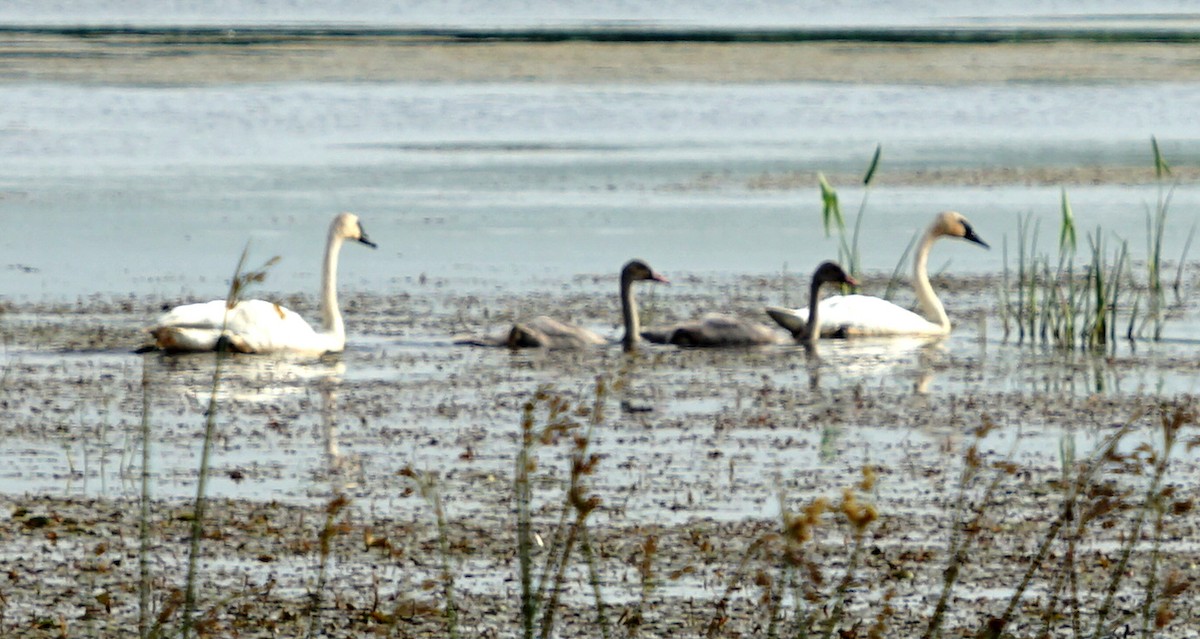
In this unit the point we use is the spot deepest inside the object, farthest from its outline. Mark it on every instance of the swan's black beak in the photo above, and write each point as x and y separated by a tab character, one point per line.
362	237
970	236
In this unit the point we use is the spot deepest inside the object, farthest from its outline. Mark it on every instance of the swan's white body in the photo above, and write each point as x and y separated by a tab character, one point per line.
547	332
257	326
858	315
864	315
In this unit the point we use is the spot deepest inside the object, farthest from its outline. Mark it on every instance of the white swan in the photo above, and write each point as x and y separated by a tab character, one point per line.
257	326
720	330
547	332
853	315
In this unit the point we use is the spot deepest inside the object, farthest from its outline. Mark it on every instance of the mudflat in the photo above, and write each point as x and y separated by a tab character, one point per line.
705	492
157	59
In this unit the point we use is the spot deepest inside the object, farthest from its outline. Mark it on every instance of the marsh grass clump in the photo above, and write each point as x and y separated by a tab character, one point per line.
1059	303
1066	305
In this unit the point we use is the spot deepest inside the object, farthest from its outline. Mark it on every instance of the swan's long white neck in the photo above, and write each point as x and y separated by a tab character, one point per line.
331	315
629	314
931	306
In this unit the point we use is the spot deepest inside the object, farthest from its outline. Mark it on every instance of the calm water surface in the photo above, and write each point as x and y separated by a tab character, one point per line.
508	186
156	190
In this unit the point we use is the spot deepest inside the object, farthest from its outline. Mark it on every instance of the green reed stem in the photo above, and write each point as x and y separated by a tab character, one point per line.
894	280
325	539
1187	245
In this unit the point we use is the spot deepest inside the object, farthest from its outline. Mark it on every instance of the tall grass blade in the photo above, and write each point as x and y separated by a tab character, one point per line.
831	211
1161	168
585	545
1005	297
523	493
1066	236
874	165
894	280
325	539
427	484
1187	246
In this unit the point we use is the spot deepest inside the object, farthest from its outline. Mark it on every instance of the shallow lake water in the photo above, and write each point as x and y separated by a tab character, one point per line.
118	190
497	200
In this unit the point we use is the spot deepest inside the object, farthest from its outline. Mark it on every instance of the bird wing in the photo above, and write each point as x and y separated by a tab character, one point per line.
255	326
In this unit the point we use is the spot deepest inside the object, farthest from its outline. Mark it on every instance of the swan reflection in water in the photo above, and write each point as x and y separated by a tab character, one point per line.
344	471
875	359
271	385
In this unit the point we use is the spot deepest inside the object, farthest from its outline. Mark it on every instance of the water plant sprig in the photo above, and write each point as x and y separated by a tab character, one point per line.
832	218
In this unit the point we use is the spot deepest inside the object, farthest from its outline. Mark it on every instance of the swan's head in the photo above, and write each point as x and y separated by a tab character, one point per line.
347	226
954	224
832	273
638	270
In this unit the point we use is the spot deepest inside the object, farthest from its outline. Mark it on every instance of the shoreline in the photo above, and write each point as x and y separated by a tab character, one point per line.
163	59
